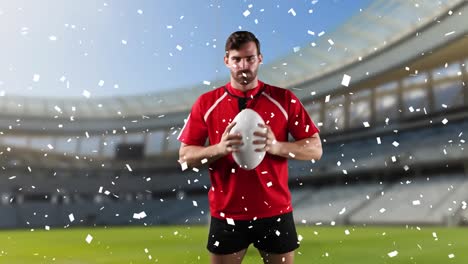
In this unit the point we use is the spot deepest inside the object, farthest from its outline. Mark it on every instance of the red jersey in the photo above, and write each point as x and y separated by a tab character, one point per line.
237	193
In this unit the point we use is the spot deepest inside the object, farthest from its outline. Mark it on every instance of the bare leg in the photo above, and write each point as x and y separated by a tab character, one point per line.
269	258
234	258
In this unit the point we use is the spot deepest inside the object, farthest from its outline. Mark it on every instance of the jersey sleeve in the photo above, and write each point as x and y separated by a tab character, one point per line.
195	130
300	125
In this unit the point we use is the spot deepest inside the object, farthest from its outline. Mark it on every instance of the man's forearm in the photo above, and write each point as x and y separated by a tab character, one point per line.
305	149
196	156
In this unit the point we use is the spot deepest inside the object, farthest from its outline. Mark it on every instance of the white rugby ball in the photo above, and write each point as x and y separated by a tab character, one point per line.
246	124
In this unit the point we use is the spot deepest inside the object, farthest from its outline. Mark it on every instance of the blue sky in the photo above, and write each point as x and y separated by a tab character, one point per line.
61	48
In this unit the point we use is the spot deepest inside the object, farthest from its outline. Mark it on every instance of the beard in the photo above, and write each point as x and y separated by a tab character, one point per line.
244	77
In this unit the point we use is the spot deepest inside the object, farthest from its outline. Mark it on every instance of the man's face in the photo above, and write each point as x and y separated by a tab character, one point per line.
244	63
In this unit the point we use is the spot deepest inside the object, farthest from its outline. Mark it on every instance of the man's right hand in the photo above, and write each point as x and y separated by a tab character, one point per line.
229	142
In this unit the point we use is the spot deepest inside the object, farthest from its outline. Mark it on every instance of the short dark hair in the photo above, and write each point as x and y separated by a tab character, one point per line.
239	38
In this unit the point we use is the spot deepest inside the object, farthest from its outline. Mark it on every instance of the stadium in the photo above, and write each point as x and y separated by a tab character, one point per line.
391	187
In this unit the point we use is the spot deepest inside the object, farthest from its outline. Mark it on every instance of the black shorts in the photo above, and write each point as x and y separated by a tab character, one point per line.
276	235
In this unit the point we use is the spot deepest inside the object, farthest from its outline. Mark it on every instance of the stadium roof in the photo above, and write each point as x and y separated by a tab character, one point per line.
380	25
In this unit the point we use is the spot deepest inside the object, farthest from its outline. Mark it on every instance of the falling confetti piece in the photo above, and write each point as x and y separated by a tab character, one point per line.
86	94
184	166
128	167
346	79
292	12
393	254
89	238
36	77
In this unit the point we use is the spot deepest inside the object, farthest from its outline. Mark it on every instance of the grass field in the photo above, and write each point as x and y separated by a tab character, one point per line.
186	244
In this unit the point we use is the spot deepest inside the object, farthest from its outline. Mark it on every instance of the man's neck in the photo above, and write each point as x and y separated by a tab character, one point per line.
243	87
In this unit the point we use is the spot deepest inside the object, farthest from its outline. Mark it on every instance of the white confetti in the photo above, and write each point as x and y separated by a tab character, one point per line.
445	121
128	167
416	202
89	238
278	233
71	217
346	232
292	12
206	82
449	33
396	144
332	43
203	161
36	77
292	155
101	83
140	215
140	12
50	146
393	254
451	255
246	13
195	203
378	141
382	210
230	221
366	124
184	165
342	211
346	79
86	93
216	243
179	48
124	42
269	184
327	98
52	38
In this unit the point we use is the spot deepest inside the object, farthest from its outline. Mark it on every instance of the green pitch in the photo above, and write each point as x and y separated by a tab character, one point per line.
186	244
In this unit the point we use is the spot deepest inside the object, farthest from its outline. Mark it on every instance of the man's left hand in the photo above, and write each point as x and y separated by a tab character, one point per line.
268	139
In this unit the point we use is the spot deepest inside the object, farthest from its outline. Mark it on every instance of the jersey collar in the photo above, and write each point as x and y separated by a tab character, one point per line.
250	93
